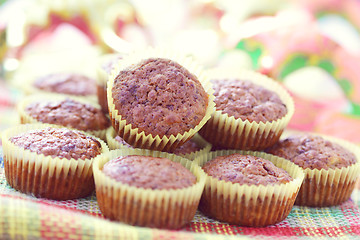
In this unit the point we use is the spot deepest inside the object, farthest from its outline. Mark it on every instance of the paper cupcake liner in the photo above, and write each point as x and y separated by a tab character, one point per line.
46	176
226	132
323	188
101	81
205	146
170	209
140	139
250	205
26	118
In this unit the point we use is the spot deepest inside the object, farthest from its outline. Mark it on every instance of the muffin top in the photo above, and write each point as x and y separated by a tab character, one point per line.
149	172
122	142
69	113
58	142
313	152
247	101
188	147
246	169
66	83
160	97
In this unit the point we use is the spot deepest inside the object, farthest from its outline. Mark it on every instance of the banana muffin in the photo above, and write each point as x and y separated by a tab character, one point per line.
330	165
149	172
159	97
252	111
247	101
50	162
66	83
68	113
248	188
246	169
148	188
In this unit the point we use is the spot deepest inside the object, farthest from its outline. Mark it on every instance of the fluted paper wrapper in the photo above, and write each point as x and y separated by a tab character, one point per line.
46	176
205	147
170	209
329	187
250	205
102	78
26	118
140	139
224	131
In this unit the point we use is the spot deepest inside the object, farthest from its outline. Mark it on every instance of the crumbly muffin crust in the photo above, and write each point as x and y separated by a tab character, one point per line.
188	147
69	113
160	97
313	152
67	83
247	101
246	169
149	172
59	142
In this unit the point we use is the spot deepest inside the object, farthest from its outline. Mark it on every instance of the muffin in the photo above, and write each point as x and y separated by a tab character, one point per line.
50	162
248	188
148	188
158	101
107	63
331	167
251	113
65	83
191	149
71	112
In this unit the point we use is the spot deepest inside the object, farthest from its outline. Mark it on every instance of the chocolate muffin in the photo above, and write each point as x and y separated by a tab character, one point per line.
252	111
159	97
323	159
246	169
148	188
64	111
50	162
66	83
149	172
248	188
247	101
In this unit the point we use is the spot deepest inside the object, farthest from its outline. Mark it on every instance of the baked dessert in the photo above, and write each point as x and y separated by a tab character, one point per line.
149	172
66	83
148	188
65	111
190	150
157	102
50	162
248	188
107	63
331	167
251	111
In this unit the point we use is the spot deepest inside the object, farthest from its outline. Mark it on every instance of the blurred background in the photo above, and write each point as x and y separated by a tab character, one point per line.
311	47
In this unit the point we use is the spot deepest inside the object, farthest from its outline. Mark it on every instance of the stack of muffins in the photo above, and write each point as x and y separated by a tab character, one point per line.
166	113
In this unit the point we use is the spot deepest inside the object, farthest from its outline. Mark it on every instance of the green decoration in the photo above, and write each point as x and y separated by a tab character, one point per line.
346	86
327	65
295	63
254	50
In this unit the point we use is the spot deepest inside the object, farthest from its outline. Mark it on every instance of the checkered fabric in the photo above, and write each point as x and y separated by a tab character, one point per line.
26	217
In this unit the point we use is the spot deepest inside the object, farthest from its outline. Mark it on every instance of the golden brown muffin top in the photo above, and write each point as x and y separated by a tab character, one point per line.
69	113
313	152
66	83
58	142
247	101
160	97
149	172
246	169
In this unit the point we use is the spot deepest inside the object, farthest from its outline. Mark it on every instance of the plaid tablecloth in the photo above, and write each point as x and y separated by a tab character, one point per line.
26	217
